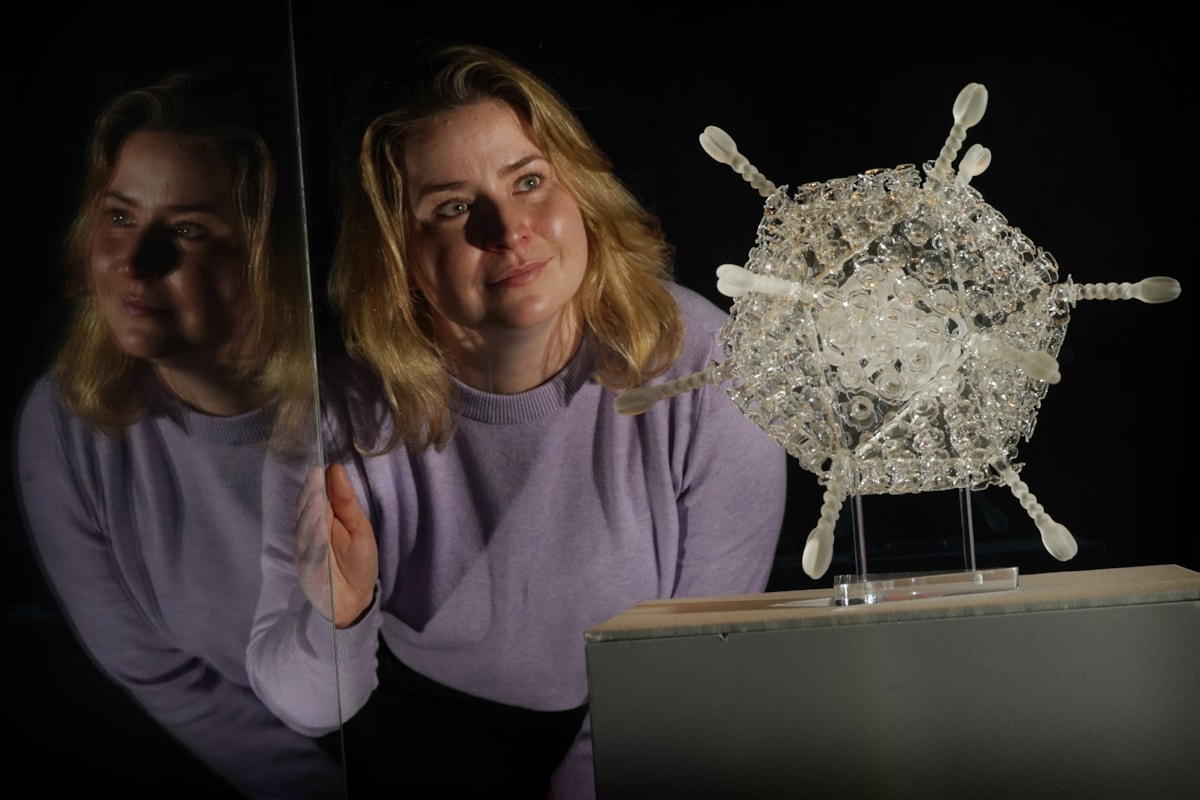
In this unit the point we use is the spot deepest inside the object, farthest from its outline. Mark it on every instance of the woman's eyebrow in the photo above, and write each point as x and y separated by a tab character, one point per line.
521	163
177	208
434	188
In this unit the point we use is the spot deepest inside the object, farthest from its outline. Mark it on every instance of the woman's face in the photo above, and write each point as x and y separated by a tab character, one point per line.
500	243
166	258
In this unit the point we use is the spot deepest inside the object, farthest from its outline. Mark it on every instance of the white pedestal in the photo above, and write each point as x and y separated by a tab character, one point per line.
1076	684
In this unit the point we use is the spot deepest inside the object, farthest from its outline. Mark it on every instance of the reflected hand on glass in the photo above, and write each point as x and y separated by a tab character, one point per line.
336	557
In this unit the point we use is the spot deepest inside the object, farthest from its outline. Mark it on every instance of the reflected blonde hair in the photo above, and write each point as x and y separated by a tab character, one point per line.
97	379
624	301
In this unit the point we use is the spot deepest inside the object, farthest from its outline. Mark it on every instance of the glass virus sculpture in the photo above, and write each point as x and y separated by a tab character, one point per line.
893	332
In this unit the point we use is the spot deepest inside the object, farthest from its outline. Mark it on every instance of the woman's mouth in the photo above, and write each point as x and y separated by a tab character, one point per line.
519	275
140	306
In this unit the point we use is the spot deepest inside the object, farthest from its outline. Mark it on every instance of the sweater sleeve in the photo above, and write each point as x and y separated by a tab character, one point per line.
311	675
220	721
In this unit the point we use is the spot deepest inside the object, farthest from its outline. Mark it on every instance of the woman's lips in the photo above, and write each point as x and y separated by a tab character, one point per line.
518	276
140	306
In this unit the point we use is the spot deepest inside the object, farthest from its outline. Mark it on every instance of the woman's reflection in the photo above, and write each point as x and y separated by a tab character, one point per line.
140	453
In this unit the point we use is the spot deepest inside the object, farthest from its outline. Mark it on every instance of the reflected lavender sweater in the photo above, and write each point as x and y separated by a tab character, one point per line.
151	542
546	514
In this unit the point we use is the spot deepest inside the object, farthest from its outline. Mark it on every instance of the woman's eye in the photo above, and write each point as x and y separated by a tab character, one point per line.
187	230
119	218
529	183
451	209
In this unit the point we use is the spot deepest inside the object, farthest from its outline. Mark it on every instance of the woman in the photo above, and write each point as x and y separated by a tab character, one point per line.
497	288
140	453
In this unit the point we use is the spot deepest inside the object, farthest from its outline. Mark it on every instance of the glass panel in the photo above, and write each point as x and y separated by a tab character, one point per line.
147	462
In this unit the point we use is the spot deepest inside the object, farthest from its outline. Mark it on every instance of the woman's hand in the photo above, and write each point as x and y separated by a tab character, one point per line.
330	520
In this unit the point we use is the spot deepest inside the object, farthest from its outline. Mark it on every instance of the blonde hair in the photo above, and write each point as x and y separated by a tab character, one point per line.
624	301
97	379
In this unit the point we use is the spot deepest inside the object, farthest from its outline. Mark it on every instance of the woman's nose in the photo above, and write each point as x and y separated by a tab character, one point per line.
500	224
153	254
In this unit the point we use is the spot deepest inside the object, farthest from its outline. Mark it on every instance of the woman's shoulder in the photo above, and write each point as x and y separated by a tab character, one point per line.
46	428
703	321
696	308
44	386
42	404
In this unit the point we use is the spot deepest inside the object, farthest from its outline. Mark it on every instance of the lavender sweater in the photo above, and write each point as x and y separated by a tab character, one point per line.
546	514
151	542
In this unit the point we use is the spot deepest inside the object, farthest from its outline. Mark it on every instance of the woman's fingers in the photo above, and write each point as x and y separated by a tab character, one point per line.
344	502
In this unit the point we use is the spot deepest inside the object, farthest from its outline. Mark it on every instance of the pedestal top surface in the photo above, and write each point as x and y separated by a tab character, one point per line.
1054	591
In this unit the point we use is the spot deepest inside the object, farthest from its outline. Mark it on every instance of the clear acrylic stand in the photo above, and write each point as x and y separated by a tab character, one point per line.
864	587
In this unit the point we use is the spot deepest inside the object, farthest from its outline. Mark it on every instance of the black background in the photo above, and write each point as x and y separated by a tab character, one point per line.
1091	141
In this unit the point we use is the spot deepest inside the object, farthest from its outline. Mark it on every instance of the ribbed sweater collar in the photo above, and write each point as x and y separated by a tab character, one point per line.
249	428
537	403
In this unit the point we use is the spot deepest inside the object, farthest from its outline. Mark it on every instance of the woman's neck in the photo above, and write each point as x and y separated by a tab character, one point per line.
219	391
513	361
